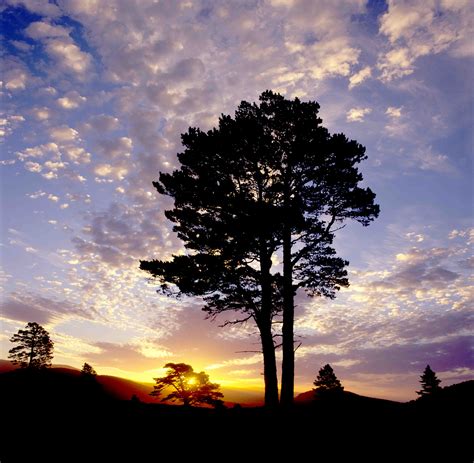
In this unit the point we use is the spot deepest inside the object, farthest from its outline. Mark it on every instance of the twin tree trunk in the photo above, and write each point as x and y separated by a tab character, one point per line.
288	363
264	323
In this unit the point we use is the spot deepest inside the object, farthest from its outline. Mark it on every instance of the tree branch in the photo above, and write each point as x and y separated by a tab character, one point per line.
235	322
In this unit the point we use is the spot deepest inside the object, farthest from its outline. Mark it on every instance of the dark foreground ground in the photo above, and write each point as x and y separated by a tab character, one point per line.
52	417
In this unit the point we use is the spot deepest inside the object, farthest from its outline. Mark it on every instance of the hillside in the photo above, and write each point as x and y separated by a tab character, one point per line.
57	405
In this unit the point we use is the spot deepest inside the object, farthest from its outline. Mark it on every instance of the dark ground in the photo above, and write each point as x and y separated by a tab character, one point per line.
50	416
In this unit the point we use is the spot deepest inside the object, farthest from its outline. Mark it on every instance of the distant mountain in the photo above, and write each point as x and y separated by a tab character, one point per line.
124	389
309	397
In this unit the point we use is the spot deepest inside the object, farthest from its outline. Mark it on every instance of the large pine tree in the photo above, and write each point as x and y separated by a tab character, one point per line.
269	180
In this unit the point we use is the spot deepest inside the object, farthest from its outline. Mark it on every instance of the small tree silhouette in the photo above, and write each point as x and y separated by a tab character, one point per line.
327	383
34	349
189	387
87	370
429	383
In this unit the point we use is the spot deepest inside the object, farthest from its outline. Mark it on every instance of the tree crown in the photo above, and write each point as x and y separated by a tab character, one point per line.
429	383
88	370
34	347
187	386
327	381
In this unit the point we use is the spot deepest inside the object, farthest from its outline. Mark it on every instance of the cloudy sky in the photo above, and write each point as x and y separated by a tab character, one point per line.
95	95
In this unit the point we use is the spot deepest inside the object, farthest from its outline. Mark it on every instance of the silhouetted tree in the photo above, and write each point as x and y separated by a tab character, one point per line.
429	383
243	189
187	386
87	370
327	383
34	349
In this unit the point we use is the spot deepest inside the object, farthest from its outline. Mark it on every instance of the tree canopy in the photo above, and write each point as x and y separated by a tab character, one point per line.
327	383
34	347
187	386
88	370
430	384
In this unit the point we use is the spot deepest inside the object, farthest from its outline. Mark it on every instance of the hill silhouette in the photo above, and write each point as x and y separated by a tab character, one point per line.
56	405
309	397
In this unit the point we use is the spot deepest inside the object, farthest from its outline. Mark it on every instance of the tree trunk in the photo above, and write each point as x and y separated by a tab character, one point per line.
288	363
269	366
264	323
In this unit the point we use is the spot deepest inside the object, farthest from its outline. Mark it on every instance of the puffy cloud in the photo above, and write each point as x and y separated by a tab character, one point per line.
393	112
360	76
71	100
63	134
357	114
42	30
115	148
41	113
9	124
38	6
107	170
33	166
15	75
77	154
103	123
61	48
421	28
69	56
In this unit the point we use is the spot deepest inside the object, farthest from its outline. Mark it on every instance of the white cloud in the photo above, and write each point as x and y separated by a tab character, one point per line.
71	100
40	7
357	114
41	113
393	112
77	154
33	166
36	194
9	124
50	175
359	77
43	30
39	151
423	27
69	56
63	134
15	75
107	170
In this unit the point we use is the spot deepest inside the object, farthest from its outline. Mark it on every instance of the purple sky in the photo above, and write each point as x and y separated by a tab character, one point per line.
95	95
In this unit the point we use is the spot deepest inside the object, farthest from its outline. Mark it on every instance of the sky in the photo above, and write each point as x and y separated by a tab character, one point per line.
94	97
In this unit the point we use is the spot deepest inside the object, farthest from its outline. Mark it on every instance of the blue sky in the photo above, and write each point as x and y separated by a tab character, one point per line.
95	95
